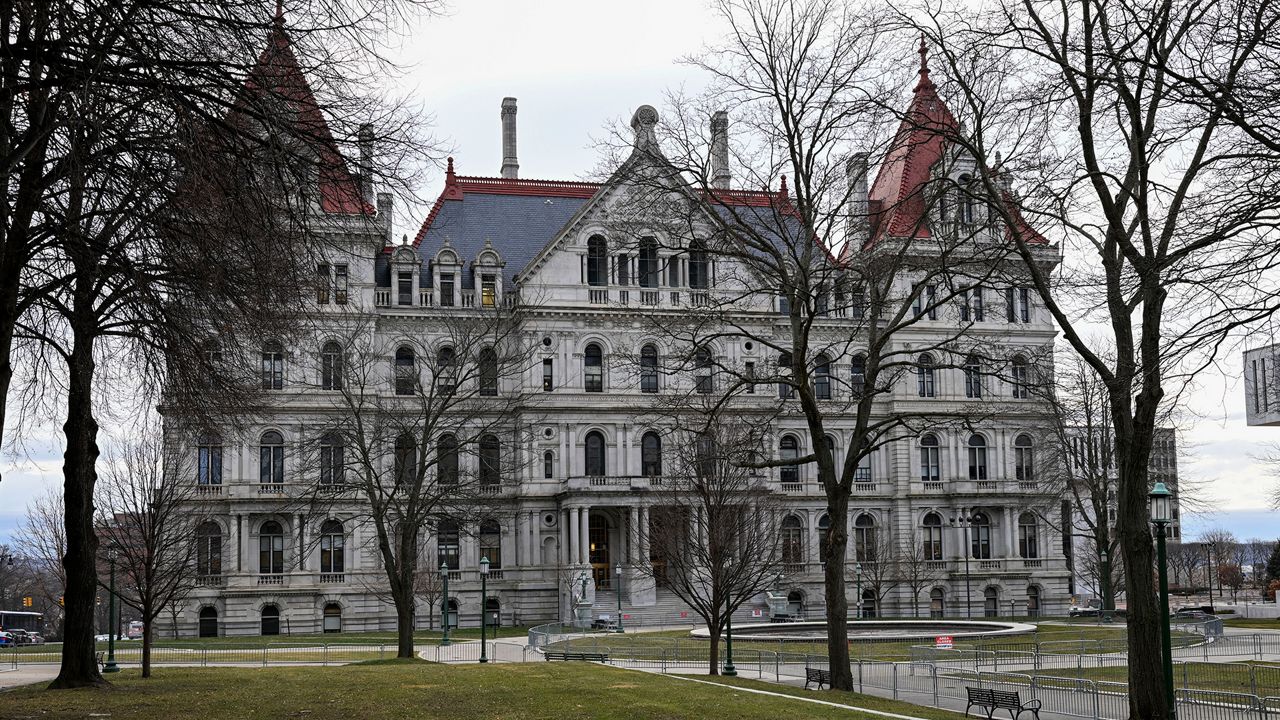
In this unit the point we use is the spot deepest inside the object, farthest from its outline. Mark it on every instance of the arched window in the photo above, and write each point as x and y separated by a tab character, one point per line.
858	375
597	261
272	366
991	602
446	370
648	263
490	461
864	538
406	460
270	620
966	209
209	461
792	542
1028	536
651	455
208	621
932	536
937	603
406	372
447	544
1033	601
548	465
491	543
703	371
332	462
593	454
930	459
332	556
789	449
488	372
593	368
699	268
271	548
333	618
208	550
980	536
1019	377
924	376
972	377
824	536
977	457
822	377
331	366
447	459
649	369
707	457
271	458
785	390
1024	459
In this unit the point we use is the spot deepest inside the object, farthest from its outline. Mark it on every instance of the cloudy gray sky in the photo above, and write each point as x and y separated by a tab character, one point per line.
578	66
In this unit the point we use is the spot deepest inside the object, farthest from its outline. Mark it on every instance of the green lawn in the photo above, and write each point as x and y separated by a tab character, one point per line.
420	690
1260	623
871	702
1230	677
310	639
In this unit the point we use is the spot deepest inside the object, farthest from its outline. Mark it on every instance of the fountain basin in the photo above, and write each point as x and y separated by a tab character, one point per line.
922	630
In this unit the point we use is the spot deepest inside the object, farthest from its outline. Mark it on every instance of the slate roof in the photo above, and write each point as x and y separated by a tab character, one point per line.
518	216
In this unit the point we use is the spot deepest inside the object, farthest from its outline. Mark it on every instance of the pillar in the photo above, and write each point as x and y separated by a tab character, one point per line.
574	541
643	531
563	551
1011	544
584	532
522	539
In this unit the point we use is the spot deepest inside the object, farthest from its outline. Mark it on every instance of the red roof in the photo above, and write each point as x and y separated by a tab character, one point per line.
278	73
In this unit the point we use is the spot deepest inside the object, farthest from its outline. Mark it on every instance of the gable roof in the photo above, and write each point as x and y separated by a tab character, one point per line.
278	76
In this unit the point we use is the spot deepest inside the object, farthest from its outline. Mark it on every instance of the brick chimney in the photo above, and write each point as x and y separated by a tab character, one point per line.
510	165
365	141
720	150
858	227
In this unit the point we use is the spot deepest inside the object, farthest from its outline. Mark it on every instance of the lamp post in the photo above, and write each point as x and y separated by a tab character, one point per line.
484	606
1160	517
617	573
110	666
1208	572
6	560
728	669
963	520
1104	583
857	571
444	604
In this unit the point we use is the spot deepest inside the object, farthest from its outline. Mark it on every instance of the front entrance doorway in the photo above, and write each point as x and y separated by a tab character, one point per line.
598	532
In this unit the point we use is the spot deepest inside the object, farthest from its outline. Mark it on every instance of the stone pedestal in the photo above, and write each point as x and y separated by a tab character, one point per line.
641	589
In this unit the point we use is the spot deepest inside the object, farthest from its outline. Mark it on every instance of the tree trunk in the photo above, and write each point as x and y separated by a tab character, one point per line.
146	645
833	587
404	626
714	658
79	667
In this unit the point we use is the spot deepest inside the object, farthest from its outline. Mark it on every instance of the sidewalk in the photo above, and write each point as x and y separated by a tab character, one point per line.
26	675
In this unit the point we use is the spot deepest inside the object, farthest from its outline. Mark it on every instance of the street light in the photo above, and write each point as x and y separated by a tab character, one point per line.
484	605
110	666
963	520
617	573
1104	583
728	669
444	604
857	571
1160	517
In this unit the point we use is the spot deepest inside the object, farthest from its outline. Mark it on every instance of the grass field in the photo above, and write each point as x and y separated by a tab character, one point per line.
422	690
1263	679
1259	623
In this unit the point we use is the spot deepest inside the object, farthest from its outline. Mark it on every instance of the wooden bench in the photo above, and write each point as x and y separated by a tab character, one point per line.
100	660
817	675
993	700
583	656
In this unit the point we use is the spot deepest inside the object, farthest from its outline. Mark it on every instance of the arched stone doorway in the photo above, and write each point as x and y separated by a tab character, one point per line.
208	621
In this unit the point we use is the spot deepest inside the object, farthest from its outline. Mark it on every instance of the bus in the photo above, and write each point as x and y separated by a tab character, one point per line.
21	620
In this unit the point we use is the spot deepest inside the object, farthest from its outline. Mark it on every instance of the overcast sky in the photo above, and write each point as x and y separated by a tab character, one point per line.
576	67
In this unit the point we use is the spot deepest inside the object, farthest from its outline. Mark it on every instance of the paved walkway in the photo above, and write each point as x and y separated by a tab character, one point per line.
26	675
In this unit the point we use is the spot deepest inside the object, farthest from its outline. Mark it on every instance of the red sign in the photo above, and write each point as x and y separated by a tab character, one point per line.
684	615
757	613
943	642
626	617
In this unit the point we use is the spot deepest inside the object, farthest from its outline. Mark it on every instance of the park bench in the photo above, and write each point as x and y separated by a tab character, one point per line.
583	656
817	675
993	700
99	658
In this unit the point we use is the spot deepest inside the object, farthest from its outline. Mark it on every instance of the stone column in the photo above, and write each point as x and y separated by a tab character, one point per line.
522	539
237	554
1011	544
575	526
562	555
302	542
643	534
584	547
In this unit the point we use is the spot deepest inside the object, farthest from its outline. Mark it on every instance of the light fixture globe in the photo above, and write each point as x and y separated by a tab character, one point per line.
484	565
1161	500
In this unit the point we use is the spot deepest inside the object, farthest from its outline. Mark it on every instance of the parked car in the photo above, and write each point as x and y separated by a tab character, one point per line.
26	637
6	639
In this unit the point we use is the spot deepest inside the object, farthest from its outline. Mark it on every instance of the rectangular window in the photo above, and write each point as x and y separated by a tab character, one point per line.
975	298
1024	305
322	283
209	465
930	470
446	290
784	305
972	381
1009	315
272	370
623	265
1266	395
1257	390
488	290
340	284
1027	545
749	372
858	302
404	289
548	375
925	303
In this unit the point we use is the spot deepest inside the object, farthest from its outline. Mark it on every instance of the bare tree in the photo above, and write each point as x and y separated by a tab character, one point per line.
714	523
1138	129
877	562
1185	560
148	526
428	586
1220	545
919	567
425	432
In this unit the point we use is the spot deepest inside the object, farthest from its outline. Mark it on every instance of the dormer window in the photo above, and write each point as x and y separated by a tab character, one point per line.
446	290
404	288
488	290
597	262
648	263
699	278
966	210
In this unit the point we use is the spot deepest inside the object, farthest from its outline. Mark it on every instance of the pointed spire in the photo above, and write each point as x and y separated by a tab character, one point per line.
452	190
782	191
925	83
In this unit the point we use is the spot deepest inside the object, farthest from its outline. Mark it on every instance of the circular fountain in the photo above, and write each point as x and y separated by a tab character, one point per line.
877	630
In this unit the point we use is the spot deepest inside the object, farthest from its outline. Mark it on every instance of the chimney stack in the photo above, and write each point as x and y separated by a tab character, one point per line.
385	215
720	150
365	141
510	165
857	230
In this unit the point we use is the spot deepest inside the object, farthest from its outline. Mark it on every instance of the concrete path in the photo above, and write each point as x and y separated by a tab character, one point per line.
26	675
